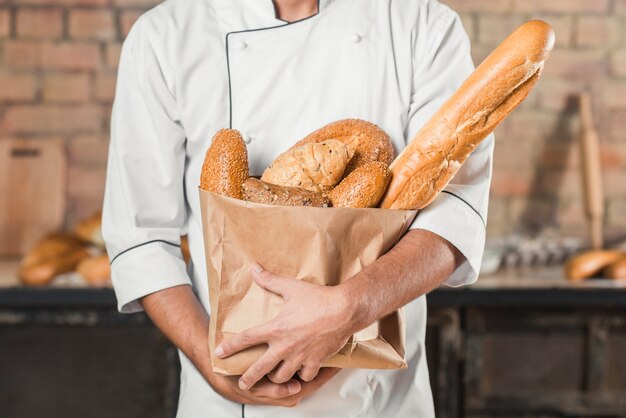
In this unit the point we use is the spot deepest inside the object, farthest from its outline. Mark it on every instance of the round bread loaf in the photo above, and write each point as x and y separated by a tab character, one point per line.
316	166
225	165
370	142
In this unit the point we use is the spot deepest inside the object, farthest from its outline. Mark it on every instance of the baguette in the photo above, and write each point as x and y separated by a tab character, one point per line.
486	97
616	270
362	188
370	142
225	166
590	263
258	191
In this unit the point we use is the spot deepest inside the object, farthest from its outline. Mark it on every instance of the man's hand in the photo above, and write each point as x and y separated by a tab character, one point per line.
313	325
179	315
265	392
316	321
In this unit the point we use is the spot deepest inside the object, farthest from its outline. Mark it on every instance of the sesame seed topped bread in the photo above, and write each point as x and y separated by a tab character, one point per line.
225	165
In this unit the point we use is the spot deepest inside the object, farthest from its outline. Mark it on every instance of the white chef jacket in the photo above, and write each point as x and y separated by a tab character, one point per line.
191	67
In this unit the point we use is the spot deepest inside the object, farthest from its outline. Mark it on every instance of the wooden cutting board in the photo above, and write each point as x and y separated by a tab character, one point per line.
32	192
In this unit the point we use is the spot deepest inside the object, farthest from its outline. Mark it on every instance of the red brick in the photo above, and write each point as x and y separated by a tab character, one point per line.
530	213
113	51
619	6
92	24
585	65
561	183
614	183
136	3
475	5
5	23
21	54
557	94
570	216
506	183
560	155
616	213
493	29
105	87
497	224
42	119
511	153
568	6
85	191
616	124
63	2
597	31
15	87
88	150
612	94
618	63
127	19
63	87
39	23
71	56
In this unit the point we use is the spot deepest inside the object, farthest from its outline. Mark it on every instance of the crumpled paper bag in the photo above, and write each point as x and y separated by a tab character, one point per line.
319	245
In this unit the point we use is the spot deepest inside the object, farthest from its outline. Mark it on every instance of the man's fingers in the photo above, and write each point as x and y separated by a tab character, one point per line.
308	373
248	338
258	370
284	372
324	375
270	281
267	389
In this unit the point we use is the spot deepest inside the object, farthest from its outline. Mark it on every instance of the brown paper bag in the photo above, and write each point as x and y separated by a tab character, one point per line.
319	245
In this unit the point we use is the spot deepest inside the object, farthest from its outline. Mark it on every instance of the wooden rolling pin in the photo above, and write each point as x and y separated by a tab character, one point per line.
591	171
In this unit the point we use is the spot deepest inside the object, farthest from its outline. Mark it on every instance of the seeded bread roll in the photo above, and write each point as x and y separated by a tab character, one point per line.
488	95
371	143
225	165
258	191
316	166
362	188
590	263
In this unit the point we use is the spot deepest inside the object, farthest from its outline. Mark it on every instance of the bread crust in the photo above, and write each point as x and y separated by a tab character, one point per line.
95	270
225	166
589	263
486	97
371	143
258	191
363	188
316	166
53	255
616	270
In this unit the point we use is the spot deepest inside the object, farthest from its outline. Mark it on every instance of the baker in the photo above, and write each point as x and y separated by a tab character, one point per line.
276	71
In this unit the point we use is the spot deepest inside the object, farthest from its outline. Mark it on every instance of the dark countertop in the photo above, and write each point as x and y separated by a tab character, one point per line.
542	287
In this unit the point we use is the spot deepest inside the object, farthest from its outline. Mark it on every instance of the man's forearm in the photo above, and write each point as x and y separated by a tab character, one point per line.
178	314
417	264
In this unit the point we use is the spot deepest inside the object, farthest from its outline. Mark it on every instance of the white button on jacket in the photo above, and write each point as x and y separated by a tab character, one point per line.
191	67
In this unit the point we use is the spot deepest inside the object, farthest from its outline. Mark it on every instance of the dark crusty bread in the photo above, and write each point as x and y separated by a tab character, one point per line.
362	188
258	191
225	165
488	95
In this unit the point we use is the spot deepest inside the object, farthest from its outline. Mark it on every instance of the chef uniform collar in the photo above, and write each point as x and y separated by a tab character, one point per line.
238	15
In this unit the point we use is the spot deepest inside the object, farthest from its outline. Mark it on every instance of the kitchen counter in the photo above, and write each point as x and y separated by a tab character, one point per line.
520	342
521	287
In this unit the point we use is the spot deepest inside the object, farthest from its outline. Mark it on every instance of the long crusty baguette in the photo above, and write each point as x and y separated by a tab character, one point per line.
488	95
589	263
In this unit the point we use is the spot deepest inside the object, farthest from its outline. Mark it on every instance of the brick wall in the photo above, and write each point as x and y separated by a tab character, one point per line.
58	61
536	185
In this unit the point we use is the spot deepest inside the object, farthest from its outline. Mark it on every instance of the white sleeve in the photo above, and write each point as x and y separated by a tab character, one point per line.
459	213
144	204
